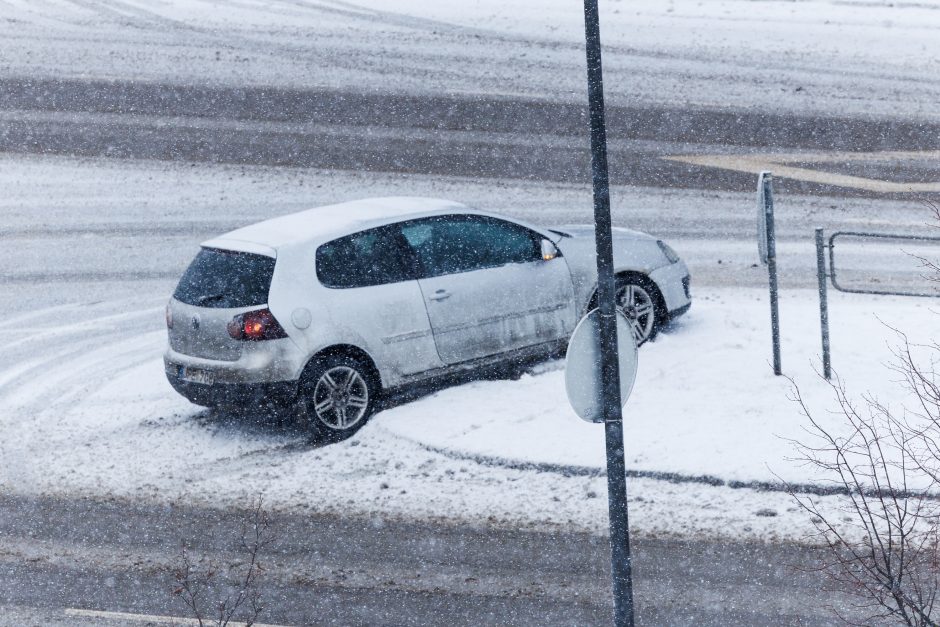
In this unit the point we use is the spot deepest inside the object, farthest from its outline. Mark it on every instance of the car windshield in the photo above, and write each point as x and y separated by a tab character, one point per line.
226	279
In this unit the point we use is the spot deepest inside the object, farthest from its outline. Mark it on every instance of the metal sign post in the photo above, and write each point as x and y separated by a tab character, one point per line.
767	247
821	277
607	329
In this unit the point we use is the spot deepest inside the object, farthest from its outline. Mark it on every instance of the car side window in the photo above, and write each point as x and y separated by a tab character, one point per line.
373	257
452	244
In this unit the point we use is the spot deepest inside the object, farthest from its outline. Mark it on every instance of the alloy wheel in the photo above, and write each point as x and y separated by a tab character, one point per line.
640	310
340	397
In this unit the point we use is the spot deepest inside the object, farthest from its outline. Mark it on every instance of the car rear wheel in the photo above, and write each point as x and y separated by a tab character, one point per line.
639	301
337	397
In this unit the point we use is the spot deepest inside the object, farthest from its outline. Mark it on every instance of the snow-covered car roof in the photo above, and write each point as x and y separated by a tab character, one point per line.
331	221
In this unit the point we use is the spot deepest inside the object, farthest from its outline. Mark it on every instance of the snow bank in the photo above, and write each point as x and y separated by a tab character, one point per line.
706	401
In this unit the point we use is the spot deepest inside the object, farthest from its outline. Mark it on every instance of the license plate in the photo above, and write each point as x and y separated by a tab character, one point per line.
196	375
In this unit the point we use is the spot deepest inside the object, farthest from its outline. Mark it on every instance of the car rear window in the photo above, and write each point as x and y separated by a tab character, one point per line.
226	279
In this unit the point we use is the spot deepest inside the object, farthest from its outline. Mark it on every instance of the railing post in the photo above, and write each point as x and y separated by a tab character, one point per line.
822	277
768	194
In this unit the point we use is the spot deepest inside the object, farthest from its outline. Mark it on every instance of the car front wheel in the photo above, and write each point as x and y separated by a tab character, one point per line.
337	397
638	300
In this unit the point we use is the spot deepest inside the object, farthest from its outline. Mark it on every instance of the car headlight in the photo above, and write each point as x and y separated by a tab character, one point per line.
668	251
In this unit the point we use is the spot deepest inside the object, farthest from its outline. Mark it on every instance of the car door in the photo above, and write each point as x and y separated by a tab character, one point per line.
374	295
487	288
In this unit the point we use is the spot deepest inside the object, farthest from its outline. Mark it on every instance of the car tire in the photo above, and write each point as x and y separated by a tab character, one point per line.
338	394
638	298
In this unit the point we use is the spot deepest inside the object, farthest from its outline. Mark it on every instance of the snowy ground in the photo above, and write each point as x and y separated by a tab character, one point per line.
91	250
853	57
706	401
98	418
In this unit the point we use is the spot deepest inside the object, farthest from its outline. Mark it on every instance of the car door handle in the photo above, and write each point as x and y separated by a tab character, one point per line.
439	295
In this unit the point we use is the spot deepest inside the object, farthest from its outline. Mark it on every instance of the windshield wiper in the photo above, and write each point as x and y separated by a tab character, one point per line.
205	300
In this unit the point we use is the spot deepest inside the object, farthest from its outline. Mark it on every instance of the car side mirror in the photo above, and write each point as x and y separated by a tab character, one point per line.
549	250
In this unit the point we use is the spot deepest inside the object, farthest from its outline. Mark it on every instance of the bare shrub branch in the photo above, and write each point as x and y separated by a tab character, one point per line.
216	594
882	543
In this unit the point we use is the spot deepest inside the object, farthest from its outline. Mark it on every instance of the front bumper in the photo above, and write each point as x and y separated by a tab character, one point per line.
674	284
675	313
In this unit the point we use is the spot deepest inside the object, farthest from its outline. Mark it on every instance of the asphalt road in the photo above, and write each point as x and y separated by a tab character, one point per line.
444	135
60	555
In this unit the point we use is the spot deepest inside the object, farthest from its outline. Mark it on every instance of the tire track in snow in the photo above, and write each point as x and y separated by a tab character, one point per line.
33	315
33	334
44	13
50	356
61	376
351	10
126	13
60	385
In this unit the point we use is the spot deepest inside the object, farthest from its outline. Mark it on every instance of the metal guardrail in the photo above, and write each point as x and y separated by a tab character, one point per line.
863	235
822	274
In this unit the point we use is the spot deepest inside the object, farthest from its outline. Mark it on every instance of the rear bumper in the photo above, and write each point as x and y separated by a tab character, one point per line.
270	361
258	377
240	394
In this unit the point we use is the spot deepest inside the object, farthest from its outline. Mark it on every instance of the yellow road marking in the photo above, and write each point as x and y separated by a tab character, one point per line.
148	618
777	163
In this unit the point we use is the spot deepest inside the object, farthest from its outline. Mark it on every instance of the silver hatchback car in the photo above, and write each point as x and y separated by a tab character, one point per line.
327	308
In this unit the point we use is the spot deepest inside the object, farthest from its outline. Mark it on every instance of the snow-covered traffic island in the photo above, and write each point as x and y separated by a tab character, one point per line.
708	427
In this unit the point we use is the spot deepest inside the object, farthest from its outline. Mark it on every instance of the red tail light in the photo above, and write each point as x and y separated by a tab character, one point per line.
254	326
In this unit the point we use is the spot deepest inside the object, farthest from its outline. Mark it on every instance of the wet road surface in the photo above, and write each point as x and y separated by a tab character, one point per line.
115	556
454	135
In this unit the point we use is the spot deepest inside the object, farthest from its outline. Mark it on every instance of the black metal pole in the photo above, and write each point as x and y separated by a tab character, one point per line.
610	374
772	270
821	277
